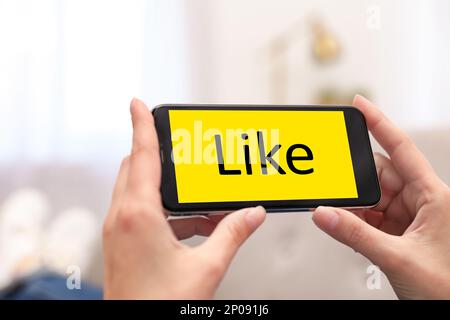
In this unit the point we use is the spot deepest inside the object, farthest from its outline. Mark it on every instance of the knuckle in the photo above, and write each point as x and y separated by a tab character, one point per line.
429	185
407	140
147	199
142	150
216	268
126	220
214	264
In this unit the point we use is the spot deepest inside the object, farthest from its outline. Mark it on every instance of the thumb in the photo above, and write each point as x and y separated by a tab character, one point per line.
347	228
231	233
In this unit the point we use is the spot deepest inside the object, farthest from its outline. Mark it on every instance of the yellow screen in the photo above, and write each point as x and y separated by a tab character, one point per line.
310	156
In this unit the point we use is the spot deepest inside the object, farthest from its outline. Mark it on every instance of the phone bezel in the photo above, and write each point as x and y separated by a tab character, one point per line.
360	148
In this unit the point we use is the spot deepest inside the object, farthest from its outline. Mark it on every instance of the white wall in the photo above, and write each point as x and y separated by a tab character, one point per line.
403	63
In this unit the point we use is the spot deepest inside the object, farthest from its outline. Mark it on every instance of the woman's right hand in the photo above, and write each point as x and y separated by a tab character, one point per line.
408	233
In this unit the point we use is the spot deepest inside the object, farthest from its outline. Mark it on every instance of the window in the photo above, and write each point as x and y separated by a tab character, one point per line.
68	70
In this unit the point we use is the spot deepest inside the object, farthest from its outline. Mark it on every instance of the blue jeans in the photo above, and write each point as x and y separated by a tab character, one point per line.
46	285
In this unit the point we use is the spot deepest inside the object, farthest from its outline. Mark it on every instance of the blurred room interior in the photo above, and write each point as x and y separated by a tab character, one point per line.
68	70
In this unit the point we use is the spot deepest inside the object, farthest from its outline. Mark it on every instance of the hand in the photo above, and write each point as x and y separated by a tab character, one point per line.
407	233
143	258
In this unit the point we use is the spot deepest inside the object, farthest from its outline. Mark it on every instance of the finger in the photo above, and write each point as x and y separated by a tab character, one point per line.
395	218
345	227
119	187
387	174
232	232
407	159
189	227
145	166
390	181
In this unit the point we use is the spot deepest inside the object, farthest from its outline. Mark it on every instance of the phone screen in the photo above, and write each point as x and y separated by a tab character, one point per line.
251	155
203	139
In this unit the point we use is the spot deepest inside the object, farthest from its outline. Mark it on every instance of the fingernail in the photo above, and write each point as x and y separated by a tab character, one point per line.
255	216
360	97
132	105
326	218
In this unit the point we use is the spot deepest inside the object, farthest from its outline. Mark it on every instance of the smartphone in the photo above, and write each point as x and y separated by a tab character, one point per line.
220	158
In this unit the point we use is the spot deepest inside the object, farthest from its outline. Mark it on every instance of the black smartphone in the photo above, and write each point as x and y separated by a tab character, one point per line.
219	158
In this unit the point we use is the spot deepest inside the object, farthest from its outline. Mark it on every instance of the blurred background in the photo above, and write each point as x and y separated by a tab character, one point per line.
68	70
